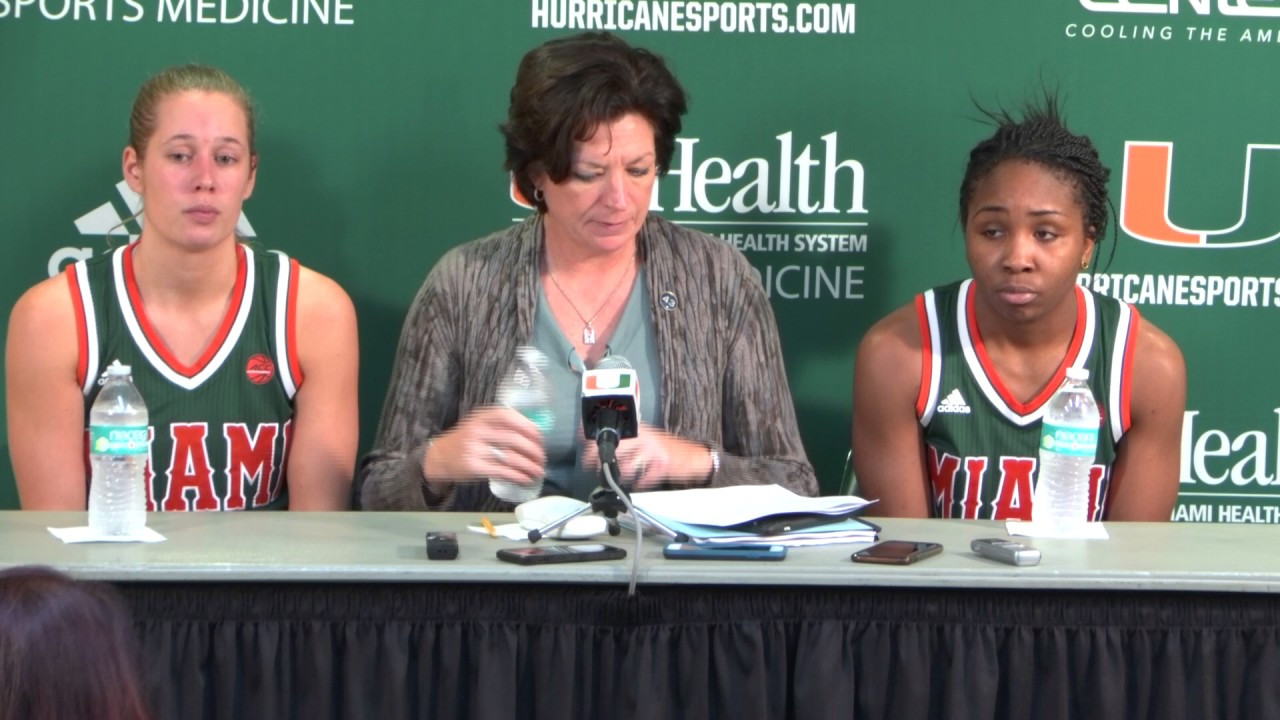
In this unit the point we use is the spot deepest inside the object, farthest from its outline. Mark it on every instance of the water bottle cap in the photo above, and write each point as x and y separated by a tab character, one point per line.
1075	373
531	356
116	369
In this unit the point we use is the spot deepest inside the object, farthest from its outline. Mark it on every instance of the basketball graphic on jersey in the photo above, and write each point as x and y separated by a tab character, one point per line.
260	369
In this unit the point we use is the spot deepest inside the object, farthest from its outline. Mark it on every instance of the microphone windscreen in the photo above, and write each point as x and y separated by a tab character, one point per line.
613	362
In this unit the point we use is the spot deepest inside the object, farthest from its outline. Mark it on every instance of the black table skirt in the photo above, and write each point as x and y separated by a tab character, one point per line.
315	651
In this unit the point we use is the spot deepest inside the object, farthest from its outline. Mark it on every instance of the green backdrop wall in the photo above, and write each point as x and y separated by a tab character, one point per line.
825	139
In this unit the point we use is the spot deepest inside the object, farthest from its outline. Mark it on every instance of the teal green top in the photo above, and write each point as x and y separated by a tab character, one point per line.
633	339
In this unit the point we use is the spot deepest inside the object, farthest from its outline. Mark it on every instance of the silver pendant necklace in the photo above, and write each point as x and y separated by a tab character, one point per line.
588	330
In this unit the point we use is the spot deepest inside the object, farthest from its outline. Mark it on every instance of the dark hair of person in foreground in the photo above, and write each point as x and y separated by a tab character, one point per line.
67	651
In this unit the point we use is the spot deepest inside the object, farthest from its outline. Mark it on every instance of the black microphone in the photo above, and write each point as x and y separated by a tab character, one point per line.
610	407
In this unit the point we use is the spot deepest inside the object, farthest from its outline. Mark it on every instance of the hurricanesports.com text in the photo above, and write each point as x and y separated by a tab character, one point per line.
692	16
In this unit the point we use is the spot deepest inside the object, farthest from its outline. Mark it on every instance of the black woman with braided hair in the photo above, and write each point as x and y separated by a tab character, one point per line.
949	390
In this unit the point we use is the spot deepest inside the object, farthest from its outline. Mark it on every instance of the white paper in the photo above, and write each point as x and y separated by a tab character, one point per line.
87	534
509	531
1080	531
736	504
579	528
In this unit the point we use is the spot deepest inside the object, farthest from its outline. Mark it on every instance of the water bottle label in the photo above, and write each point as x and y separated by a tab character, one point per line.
542	417
1065	440
127	440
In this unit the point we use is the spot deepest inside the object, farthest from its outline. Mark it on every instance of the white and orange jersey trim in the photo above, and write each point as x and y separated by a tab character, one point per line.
984	373
87	363
153	348
286	325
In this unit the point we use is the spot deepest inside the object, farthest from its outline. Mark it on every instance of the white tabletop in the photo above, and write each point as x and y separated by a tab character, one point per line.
389	547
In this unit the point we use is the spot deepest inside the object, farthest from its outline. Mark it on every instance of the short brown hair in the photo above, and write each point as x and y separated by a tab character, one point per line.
566	88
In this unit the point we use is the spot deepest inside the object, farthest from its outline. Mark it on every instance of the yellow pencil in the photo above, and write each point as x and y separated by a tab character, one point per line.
493	531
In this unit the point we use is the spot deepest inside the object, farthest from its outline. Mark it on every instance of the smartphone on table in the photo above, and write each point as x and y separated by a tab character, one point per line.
546	554
897	552
692	551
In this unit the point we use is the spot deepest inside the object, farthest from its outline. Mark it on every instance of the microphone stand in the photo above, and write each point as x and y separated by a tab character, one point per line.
608	498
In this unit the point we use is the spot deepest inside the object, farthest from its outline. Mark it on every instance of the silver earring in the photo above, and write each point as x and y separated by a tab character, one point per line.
537	195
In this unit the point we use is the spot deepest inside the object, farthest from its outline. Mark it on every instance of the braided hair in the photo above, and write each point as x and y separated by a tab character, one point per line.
1041	137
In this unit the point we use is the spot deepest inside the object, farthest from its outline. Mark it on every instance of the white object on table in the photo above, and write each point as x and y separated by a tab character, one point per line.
87	534
1080	531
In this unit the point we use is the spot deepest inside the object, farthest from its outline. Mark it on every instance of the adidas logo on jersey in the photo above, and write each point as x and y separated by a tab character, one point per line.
954	403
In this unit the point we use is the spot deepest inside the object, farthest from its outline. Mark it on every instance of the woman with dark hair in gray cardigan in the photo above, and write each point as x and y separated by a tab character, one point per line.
591	125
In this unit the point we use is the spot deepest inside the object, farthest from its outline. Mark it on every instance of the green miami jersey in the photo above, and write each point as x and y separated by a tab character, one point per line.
982	443
220	427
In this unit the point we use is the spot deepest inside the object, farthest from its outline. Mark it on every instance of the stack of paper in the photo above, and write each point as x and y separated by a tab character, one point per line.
754	514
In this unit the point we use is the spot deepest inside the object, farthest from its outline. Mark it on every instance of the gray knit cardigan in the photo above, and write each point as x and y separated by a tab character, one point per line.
723	382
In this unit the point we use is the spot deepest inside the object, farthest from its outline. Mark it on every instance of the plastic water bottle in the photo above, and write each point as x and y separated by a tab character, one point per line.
1068	446
525	388
118	450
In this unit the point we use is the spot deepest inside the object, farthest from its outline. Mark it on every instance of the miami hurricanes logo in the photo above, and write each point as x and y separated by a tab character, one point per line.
1144	199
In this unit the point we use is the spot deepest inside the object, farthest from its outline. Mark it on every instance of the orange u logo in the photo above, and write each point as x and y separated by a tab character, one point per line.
1144	200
